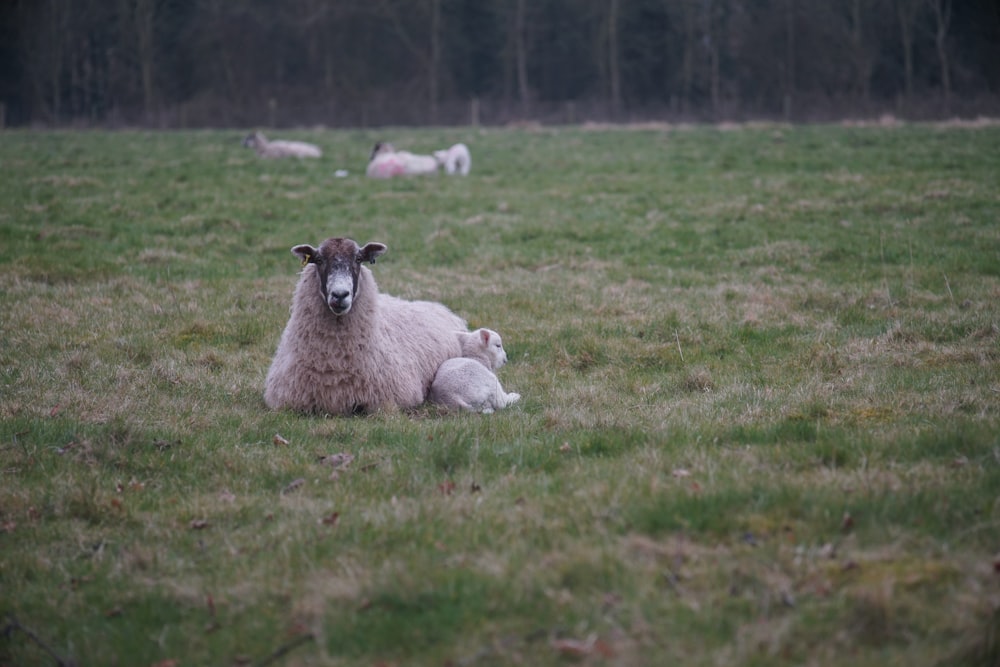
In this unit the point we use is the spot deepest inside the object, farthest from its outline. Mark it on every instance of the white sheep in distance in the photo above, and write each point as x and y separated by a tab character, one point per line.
468	382
386	162
280	149
455	160
349	349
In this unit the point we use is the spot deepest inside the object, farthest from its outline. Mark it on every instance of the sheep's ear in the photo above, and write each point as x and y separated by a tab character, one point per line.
306	253
485	335
370	252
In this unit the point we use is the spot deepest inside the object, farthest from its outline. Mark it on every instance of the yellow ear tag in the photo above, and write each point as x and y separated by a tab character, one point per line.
305	260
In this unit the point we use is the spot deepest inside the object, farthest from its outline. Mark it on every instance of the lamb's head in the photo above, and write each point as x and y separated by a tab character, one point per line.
485	343
441	157
338	263
381	148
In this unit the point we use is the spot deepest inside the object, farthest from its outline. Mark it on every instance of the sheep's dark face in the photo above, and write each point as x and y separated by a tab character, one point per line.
381	148
338	263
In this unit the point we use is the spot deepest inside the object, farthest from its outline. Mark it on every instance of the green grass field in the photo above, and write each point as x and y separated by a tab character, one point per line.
760	422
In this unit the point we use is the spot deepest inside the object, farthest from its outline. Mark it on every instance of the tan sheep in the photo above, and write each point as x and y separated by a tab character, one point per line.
280	149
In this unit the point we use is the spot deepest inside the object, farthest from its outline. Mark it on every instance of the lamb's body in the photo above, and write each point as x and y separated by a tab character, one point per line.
455	160
468	382
279	148
387	162
379	353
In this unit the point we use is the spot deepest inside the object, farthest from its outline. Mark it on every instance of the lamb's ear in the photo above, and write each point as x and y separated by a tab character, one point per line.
485	335
370	252
306	253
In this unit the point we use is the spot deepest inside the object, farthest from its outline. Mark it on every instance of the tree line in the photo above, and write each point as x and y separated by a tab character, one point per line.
203	63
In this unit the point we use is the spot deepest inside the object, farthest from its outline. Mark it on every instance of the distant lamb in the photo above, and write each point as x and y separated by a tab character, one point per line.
455	160
348	349
280	149
468	382
386	162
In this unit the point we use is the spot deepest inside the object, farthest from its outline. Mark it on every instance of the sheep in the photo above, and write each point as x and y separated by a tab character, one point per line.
386	162
347	348
468	382
280	149
455	160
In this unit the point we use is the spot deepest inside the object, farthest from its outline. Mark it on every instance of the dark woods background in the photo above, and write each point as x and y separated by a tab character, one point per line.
197	63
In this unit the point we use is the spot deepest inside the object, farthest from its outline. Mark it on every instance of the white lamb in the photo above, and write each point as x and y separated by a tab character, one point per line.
468	382
347	348
455	160
280	149
386	162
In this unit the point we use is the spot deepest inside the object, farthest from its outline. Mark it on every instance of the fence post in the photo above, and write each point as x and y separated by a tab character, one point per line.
474	112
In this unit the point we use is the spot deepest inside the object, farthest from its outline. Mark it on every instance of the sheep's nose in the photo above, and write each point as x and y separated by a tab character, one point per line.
339	301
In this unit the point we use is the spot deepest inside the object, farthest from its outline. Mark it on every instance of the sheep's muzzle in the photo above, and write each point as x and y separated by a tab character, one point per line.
338	304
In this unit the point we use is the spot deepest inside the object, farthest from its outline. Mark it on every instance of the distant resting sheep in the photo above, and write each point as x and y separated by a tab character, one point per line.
455	160
349	349
280	149
468	382
387	162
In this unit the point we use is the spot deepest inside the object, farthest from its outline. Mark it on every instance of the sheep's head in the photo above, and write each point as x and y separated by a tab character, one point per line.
338	263
484	343
380	148
252	139
494	347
